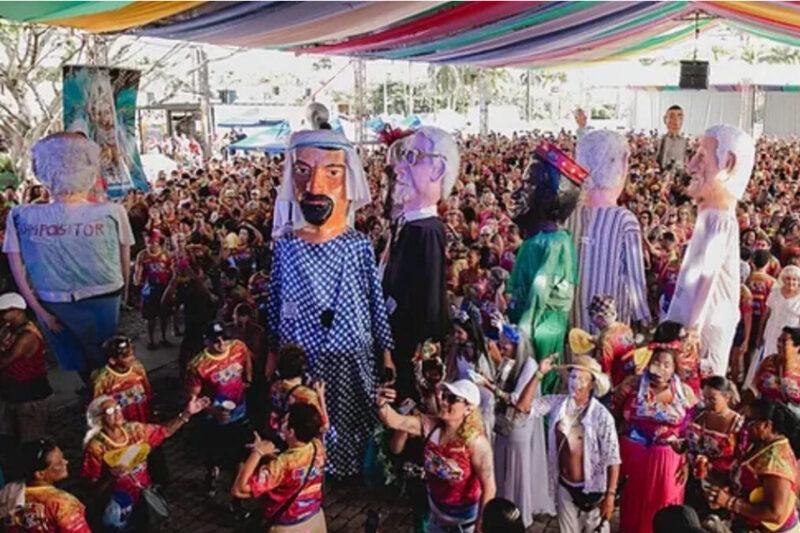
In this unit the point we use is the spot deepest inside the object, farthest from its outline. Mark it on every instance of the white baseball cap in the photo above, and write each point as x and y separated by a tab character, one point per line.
12	300
466	389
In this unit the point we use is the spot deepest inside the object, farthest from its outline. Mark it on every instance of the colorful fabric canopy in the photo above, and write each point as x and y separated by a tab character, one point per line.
481	33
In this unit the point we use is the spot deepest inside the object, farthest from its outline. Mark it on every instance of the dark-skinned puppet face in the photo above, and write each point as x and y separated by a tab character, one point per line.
549	192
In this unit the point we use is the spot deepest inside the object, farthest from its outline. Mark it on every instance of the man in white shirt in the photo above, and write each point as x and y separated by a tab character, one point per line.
582	445
708	289
71	258
581	121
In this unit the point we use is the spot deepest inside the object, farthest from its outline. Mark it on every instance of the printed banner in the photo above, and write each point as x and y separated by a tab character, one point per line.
101	103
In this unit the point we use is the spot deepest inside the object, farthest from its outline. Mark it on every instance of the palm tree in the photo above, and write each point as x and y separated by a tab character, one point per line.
446	82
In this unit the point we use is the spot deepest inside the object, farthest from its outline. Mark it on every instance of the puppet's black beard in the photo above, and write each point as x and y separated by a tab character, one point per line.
316	208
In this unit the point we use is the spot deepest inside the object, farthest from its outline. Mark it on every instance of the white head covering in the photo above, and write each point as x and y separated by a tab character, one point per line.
12	300
94	418
788	270
287	215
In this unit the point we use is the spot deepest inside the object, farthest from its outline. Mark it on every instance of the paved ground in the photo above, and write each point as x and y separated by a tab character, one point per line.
345	506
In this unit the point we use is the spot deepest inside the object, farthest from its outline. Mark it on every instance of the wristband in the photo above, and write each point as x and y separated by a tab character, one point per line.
538	375
183	417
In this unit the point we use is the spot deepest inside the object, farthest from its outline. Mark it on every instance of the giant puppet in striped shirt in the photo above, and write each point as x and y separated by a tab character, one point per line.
608	238
542	283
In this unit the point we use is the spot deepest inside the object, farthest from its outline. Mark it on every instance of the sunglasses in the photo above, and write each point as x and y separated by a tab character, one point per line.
451	398
413	156
113	409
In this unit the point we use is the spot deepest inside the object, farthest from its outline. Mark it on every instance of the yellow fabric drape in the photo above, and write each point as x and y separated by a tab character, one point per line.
131	16
772	11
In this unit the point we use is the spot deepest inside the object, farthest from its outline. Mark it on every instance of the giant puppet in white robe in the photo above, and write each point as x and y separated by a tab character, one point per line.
707	294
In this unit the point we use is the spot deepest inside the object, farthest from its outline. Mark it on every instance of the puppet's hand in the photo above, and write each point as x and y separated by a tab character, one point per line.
50	321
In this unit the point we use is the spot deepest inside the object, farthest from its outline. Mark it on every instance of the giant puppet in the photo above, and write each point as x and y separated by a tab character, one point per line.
425	165
707	294
542	283
608	238
71	258
324	292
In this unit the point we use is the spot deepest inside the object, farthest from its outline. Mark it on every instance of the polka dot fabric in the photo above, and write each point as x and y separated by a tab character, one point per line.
338	275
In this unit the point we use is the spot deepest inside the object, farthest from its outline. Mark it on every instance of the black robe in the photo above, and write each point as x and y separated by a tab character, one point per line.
415	279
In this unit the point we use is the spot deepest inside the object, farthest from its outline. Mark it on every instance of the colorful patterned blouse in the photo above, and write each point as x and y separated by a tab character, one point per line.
647	420
776	459
720	448
776	383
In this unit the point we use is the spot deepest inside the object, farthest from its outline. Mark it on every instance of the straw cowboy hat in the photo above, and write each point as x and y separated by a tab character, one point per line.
584	362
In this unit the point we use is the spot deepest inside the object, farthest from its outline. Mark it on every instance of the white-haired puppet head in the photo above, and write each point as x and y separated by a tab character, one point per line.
605	155
426	165
317	116
66	163
297	174
100	100
722	164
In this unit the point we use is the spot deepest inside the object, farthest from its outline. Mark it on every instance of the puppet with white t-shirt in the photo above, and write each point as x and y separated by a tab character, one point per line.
425	165
707	294
71	258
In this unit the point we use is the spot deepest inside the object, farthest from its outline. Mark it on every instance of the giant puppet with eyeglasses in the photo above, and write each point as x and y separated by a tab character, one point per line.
425	165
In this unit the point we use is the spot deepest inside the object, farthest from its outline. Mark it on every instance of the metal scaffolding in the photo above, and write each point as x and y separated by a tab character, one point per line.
360	107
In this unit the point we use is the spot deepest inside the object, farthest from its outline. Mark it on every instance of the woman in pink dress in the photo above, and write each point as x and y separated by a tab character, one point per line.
653	410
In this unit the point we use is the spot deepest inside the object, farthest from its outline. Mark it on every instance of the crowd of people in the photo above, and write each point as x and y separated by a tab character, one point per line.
630	410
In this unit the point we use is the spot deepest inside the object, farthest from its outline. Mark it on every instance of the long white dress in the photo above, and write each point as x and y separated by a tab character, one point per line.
782	312
520	460
708	289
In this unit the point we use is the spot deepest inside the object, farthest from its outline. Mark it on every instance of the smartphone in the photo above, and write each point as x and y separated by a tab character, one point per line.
406	406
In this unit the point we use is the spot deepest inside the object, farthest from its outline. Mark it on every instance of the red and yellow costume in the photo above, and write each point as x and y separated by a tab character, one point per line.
130	481
221	376
280	479
615	352
130	389
48	510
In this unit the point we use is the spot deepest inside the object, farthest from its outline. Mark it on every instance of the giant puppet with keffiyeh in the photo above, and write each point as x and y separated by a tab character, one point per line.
542	284
325	293
425	166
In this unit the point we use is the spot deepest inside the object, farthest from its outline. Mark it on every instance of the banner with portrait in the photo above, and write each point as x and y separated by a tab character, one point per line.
101	103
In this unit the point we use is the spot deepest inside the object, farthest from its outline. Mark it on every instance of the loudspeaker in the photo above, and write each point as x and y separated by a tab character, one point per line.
694	75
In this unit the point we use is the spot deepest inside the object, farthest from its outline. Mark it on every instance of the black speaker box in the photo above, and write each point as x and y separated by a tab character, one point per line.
694	75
